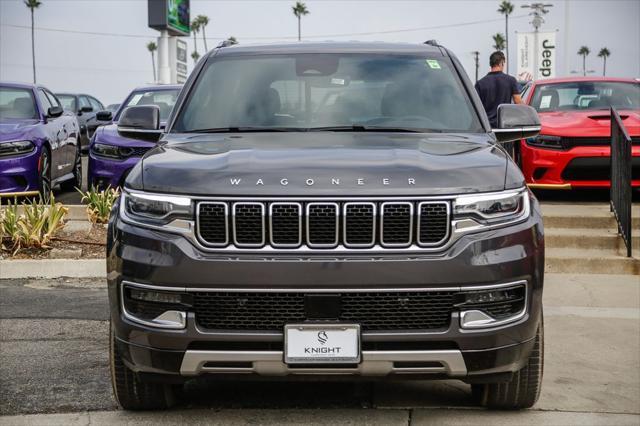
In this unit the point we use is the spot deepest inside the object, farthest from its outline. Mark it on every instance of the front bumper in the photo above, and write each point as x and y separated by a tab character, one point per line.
557	169
105	172
19	175
492	257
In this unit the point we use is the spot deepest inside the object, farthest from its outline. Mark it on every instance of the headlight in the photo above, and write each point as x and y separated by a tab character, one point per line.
155	209
546	141
105	150
8	149
492	208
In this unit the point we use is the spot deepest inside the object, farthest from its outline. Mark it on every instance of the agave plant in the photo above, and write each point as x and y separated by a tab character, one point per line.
9	229
40	223
99	203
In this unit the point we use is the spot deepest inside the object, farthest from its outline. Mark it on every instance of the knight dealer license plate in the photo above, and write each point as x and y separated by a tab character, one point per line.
309	343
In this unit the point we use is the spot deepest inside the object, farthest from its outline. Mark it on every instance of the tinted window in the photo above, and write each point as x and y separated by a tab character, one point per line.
324	90
84	101
586	95
44	101
68	102
17	103
165	99
97	106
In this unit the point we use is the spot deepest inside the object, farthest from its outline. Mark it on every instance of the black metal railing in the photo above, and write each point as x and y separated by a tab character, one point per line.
621	178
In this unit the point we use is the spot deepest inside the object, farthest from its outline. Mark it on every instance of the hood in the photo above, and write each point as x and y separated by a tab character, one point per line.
108	134
586	123
324	164
12	130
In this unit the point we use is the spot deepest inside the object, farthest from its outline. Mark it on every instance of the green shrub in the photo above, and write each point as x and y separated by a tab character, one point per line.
99	203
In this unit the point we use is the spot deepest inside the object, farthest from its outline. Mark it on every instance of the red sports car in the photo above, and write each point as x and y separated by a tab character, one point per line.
573	148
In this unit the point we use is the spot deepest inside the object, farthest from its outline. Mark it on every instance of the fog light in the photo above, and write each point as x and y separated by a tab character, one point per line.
492	307
155	296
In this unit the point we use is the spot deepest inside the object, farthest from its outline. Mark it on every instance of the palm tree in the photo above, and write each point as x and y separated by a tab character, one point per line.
195	27
232	40
506	8
195	56
152	47
299	10
203	21
498	41
33	5
584	51
604	54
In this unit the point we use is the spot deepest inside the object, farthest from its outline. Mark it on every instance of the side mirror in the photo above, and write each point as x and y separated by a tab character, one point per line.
104	115
516	122
54	111
86	108
140	122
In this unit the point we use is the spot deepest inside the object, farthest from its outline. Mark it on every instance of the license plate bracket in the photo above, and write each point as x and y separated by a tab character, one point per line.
322	343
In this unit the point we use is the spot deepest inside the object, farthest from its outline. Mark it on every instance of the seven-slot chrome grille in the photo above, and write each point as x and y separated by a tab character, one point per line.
323	224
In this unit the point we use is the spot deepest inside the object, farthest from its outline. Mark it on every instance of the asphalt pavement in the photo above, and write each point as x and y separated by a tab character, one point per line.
54	369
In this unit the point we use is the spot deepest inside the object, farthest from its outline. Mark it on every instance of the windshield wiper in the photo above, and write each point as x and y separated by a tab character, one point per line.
362	128
237	129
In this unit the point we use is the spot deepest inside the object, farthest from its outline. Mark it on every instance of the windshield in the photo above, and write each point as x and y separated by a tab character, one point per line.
328	92
586	96
68	102
17	103
165	99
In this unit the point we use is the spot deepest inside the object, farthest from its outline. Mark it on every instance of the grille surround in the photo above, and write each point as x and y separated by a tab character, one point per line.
321	225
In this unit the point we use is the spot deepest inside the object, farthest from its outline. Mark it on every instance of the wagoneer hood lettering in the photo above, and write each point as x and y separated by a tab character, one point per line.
305	164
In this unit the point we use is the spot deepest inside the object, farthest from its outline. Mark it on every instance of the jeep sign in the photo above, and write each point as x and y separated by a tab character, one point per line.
540	62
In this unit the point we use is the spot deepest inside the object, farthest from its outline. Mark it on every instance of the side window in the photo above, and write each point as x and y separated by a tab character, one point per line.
52	98
44	101
84	101
97	106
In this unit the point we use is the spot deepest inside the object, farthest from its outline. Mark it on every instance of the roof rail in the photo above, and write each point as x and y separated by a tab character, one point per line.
225	43
433	43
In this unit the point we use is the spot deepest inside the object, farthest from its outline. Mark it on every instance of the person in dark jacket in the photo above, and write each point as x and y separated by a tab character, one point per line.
497	88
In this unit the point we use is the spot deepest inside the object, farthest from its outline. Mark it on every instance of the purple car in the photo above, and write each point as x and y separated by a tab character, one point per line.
39	145
111	154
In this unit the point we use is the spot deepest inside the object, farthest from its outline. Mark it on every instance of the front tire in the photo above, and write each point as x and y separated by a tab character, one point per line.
129	391
524	388
44	176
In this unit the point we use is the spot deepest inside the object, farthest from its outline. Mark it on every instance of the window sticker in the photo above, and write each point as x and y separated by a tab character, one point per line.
545	102
434	64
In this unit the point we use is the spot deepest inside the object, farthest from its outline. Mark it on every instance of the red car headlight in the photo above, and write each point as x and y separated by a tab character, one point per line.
546	141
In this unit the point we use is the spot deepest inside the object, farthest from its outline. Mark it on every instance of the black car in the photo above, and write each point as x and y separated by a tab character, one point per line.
327	211
85	107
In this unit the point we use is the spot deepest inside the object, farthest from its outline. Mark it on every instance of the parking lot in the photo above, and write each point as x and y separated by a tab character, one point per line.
53	359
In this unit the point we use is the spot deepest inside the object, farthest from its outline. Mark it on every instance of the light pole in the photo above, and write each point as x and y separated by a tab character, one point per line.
537	11
476	55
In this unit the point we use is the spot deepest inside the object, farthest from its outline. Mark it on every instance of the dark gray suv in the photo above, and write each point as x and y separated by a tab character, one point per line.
327	211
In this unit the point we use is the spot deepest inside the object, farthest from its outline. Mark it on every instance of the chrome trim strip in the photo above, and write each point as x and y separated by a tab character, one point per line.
518	129
374	213
374	363
299	206
326	289
449	224
337	216
233	220
411	215
226	223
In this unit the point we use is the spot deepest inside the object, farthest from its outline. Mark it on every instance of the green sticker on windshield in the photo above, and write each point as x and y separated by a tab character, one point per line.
433	64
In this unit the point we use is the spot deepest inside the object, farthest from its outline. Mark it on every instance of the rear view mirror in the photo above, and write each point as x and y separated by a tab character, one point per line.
104	115
140	122
516	122
54	111
86	108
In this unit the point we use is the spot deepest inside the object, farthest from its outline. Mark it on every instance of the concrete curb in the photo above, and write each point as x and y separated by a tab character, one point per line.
52	268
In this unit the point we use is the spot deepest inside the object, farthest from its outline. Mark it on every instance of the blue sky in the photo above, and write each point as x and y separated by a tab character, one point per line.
109	66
